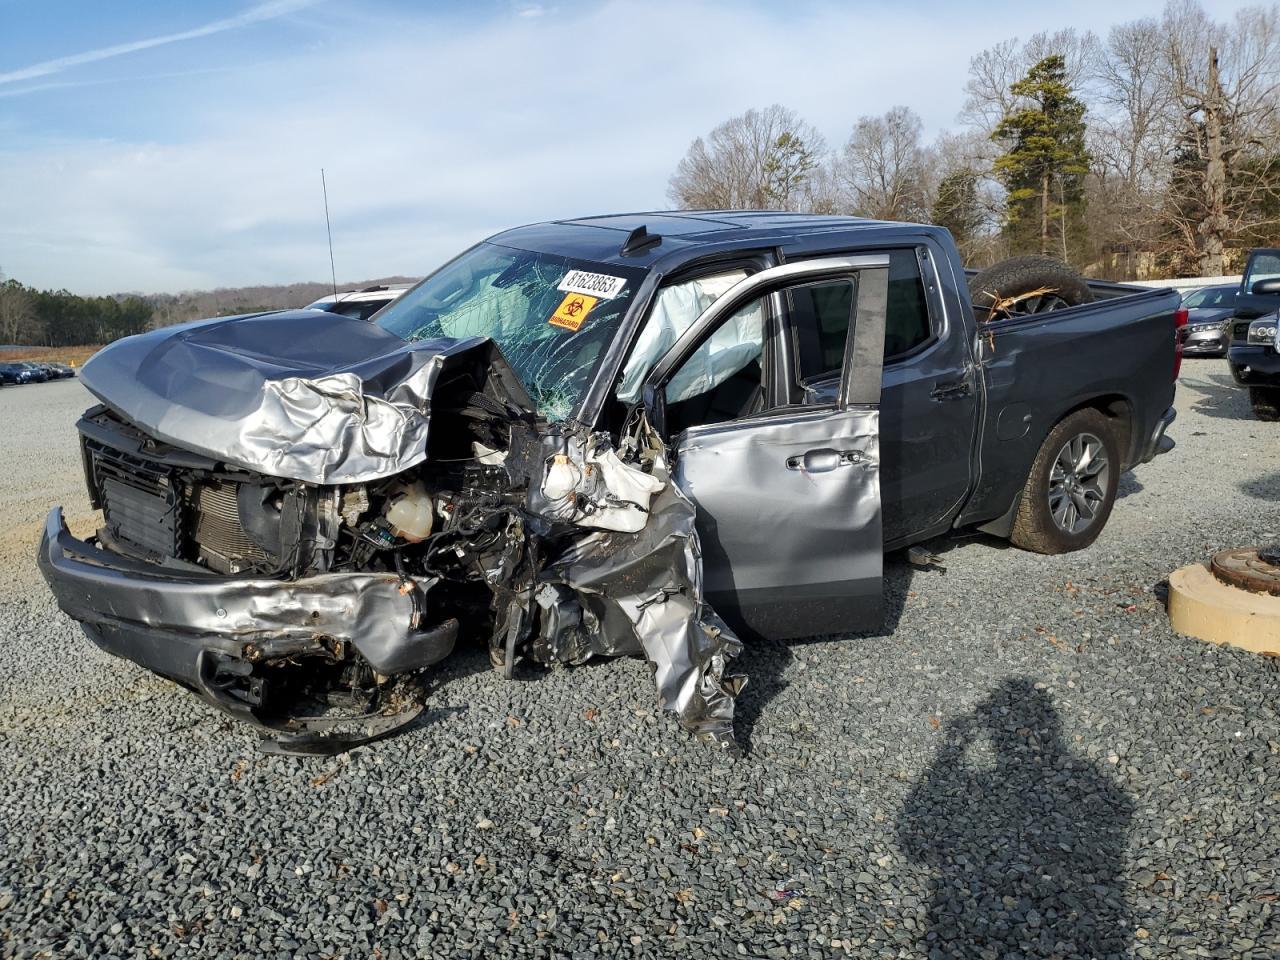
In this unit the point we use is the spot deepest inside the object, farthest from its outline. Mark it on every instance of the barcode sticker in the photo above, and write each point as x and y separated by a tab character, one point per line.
592	284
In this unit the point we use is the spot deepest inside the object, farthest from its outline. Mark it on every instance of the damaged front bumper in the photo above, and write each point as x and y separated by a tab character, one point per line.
216	634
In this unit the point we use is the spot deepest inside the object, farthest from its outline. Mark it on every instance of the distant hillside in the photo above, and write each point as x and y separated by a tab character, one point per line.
170	308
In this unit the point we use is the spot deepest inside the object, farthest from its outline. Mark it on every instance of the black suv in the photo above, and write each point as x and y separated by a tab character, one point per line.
1253	356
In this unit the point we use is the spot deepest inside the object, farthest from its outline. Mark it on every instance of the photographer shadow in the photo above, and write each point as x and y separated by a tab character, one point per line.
1025	840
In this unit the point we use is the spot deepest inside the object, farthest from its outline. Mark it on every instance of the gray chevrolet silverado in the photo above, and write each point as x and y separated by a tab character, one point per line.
642	434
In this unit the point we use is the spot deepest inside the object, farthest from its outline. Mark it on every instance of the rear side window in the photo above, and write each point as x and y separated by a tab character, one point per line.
820	318
820	314
1262	266
907	315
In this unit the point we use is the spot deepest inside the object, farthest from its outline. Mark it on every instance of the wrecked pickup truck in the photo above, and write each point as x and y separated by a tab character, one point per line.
645	434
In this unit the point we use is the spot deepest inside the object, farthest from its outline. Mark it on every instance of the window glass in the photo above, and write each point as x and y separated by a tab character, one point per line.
358	309
1210	297
907	313
1262	266
533	306
820	314
820	318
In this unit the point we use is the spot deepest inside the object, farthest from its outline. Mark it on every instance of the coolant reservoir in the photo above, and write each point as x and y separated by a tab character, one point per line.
561	479
409	512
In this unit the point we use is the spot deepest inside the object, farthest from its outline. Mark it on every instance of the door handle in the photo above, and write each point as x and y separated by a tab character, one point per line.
951	390
824	459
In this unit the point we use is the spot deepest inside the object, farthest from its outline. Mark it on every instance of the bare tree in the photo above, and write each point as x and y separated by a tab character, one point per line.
1133	132
763	159
18	323
1225	78
1132	139
964	197
885	167
994	71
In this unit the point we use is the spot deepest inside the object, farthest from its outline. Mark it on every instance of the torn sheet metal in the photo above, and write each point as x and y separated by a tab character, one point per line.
642	592
351	403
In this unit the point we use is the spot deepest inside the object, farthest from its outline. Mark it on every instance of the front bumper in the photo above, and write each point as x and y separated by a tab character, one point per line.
1206	344
1254	365
1158	442
198	630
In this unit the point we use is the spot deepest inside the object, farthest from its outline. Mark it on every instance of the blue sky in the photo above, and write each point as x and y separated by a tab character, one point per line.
160	146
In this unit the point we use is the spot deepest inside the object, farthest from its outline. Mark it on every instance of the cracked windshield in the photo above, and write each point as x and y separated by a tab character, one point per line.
551	316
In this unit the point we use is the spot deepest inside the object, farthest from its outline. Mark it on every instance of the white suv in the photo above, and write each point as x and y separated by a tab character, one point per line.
361	304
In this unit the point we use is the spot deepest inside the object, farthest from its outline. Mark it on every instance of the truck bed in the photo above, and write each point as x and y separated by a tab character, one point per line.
1059	355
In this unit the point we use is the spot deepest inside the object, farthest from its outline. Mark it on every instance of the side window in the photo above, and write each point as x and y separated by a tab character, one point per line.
820	319
1262	266
820	314
907	314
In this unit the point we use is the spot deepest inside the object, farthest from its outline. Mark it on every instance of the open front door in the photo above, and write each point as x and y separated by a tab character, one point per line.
788	496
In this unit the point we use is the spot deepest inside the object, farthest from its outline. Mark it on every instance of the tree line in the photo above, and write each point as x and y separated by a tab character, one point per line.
57	318
1152	152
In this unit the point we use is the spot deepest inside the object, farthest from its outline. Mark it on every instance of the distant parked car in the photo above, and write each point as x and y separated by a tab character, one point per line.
59	371
22	373
361	304
1208	329
39	373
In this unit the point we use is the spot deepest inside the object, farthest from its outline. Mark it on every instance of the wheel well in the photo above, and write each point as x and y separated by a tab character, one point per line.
1119	411
1116	409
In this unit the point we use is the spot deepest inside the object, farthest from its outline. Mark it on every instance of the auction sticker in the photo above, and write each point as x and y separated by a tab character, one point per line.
572	311
592	284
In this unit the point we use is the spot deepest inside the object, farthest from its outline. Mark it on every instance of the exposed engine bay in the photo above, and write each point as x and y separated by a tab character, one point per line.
313	610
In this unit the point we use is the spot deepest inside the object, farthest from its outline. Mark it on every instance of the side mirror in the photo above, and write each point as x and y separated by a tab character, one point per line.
1267	288
655	407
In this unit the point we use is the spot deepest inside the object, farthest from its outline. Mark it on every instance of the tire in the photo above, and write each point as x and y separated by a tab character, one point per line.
1051	514
1019	276
1266	403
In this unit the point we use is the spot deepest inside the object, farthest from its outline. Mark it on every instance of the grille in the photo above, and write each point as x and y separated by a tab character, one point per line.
219	534
1240	331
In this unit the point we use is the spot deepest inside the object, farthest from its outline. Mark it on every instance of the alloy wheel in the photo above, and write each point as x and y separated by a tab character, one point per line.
1078	483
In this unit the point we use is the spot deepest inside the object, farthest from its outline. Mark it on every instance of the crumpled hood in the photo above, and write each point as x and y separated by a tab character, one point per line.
303	394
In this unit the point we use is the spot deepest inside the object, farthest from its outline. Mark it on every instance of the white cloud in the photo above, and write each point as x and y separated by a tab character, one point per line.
264	11
434	136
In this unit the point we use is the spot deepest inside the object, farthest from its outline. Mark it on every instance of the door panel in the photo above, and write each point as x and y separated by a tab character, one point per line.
789	500
928	411
783	504
928	407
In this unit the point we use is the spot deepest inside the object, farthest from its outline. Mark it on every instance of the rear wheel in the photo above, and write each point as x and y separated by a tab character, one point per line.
1265	402
1071	488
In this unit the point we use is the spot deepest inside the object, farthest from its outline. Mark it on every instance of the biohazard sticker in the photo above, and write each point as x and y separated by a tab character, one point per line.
596	285
572	311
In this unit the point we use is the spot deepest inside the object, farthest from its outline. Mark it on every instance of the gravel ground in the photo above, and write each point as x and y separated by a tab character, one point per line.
1029	763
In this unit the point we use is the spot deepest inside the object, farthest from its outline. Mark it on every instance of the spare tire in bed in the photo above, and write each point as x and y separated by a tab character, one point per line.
1026	285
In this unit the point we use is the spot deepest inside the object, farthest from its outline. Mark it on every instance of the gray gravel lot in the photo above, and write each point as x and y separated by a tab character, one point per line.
1029	763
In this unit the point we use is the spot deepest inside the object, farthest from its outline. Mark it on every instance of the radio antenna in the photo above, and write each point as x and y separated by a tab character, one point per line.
333	274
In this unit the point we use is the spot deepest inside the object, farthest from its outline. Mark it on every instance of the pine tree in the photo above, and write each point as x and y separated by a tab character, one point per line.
1045	162
787	167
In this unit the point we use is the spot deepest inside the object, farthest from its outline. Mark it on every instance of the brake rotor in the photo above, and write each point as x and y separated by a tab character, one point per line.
1256	569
